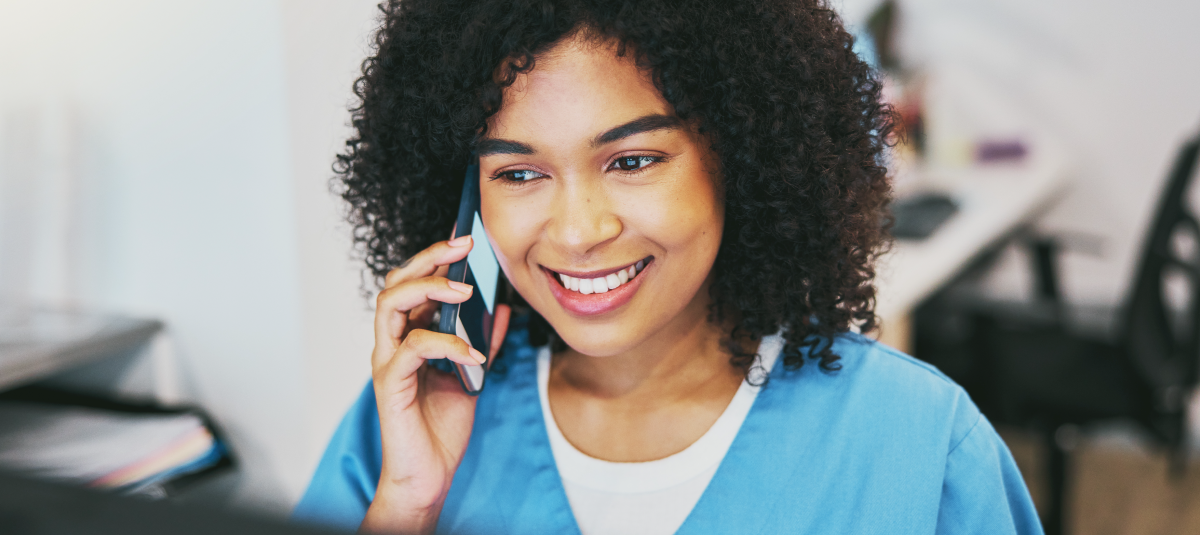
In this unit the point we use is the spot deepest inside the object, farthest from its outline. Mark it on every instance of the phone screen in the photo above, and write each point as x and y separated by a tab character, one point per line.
472	319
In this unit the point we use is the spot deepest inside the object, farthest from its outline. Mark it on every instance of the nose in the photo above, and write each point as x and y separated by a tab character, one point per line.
583	220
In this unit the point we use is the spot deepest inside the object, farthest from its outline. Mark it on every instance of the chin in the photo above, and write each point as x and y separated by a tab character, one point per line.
600	341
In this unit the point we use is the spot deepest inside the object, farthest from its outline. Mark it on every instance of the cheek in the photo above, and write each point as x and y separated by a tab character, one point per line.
685	216
512	230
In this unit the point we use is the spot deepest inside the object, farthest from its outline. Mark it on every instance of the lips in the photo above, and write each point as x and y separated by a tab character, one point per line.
597	292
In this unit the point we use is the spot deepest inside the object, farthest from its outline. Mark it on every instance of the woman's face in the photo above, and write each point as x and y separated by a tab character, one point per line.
604	209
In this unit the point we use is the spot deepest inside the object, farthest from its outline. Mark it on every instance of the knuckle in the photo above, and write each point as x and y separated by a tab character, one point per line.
460	343
378	366
399	291
381	301
416	340
393	276
380	360
424	341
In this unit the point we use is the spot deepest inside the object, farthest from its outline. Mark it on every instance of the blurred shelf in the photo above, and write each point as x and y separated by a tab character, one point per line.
38	343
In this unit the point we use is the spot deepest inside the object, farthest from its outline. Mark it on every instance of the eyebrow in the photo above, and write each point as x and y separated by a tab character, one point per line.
488	147
641	125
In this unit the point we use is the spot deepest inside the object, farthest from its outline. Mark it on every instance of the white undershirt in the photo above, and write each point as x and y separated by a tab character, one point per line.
647	498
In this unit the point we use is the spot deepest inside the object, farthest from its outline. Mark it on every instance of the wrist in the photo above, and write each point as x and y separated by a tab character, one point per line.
397	509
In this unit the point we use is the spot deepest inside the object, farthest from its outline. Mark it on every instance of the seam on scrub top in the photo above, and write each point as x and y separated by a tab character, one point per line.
902	356
978	418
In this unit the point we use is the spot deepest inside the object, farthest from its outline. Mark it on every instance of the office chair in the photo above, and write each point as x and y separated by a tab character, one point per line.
1031	370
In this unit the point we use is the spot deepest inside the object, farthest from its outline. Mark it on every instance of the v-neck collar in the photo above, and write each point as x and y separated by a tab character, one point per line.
509	474
759	464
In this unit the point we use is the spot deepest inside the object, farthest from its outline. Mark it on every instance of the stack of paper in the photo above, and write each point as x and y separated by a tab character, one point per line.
101	448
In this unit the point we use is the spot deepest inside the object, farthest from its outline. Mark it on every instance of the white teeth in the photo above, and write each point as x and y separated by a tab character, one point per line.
603	284
613	280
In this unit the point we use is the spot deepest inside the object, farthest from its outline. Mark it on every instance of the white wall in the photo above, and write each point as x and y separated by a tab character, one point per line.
172	160
176	114
326	43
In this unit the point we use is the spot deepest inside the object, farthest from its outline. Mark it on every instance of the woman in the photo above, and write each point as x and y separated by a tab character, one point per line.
686	199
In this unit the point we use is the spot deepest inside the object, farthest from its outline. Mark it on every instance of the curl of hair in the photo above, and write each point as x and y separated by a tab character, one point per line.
794	115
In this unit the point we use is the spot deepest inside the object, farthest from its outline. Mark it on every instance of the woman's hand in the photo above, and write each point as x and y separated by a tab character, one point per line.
425	418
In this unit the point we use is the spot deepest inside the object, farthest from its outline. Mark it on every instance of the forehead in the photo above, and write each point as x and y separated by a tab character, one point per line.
578	88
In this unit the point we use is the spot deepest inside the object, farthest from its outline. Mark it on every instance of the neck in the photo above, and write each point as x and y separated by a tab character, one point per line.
674	362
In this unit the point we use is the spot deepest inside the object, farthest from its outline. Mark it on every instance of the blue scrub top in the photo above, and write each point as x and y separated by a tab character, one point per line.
887	444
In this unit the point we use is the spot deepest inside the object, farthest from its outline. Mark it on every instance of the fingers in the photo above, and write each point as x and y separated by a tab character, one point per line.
499	329
421	345
425	262
393	304
421	317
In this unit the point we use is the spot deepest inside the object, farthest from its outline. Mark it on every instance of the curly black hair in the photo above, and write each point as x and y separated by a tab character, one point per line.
794	116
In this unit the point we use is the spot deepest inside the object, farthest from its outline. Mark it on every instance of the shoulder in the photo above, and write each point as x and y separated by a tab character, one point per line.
867	359
878	384
884	436
893	372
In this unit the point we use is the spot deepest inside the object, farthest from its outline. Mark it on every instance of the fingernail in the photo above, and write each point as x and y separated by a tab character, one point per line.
460	287
479	358
460	241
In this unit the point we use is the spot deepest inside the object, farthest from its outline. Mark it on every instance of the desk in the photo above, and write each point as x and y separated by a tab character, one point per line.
35	344
994	202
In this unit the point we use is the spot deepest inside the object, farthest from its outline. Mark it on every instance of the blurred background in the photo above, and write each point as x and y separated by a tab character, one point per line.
167	233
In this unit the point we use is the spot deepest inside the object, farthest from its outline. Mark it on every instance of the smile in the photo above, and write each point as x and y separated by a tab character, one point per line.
596	292
601	282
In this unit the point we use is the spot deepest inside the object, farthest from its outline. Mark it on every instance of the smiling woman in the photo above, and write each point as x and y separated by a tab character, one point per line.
686	200
607	177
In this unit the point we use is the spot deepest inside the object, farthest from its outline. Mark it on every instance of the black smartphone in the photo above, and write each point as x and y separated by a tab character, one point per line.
471	320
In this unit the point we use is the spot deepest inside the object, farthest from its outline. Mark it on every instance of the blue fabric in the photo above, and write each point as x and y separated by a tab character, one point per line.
885	445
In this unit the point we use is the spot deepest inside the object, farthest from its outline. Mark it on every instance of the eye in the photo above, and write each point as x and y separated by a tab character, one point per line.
634	163
518	175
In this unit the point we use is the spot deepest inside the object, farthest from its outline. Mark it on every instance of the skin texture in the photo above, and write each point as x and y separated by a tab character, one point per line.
648	378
